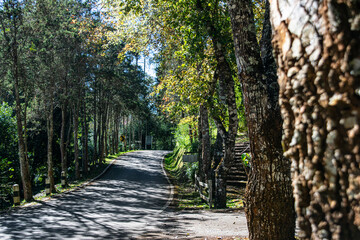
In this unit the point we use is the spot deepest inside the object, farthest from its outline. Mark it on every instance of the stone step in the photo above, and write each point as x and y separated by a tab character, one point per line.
237	172
236	178
236	183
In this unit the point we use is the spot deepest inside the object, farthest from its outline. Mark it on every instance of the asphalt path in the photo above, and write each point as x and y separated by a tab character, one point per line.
127	202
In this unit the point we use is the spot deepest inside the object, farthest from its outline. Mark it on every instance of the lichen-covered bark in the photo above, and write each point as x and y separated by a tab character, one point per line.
269	201
317	47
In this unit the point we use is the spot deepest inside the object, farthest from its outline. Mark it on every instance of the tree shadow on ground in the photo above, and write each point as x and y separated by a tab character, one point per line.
126	203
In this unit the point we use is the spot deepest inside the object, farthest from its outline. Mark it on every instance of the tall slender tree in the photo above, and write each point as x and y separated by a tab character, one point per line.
13	40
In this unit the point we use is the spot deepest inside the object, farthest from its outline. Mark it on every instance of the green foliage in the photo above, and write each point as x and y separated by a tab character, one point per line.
191	169
182	136
259	11
8	141
246	158
9	173
65	60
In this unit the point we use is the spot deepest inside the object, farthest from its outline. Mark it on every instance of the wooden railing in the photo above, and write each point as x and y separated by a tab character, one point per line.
205	190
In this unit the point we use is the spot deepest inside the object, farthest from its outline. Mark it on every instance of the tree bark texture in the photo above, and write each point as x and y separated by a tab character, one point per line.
317	47
205	142
269	200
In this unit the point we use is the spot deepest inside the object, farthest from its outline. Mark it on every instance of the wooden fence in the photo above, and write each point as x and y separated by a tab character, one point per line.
205	190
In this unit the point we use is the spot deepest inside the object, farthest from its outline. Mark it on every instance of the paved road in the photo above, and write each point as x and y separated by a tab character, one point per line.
126	203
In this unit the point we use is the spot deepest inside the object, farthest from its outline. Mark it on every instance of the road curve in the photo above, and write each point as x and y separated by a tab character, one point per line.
125	203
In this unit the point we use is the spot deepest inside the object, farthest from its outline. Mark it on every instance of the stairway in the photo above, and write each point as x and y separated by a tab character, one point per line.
237	176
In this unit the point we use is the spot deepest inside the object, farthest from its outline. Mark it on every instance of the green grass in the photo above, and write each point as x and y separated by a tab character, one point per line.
235	203
173	161
188	198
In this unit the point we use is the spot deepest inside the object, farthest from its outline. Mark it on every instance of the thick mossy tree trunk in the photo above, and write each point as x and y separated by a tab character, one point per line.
317	47
269	200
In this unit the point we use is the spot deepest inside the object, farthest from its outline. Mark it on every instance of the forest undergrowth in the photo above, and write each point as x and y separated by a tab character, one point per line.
186	196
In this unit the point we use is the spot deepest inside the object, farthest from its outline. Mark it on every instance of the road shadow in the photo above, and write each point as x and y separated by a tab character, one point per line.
125	203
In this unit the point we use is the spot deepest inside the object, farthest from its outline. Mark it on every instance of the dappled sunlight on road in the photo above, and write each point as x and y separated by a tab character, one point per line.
124	203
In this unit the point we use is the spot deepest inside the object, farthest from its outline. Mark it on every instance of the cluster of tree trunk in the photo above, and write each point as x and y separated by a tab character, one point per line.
52	68
269	201
317	51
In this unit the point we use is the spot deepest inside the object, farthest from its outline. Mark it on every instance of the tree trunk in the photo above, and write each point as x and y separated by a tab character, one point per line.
205	142
100	145
76	146
317	46
124	134
107	131
133	137
85	137
224	74
217	155
269	200
117	126
103	134
95	128
200	149
24	163
67	143
229	137
50	134
62	141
